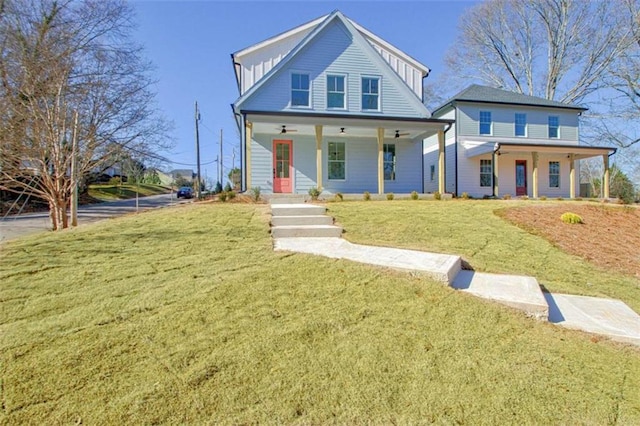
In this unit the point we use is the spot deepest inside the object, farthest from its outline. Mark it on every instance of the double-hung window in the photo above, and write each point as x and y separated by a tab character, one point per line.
554	174
486	173
521	124
337	163
485	122
554	125
335	91
389	163
300	89
371	93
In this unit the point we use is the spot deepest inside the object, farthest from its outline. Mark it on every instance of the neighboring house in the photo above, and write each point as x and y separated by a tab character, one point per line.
330	105
508	143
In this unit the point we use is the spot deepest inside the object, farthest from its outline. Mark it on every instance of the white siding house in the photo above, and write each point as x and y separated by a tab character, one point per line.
330	105
508	143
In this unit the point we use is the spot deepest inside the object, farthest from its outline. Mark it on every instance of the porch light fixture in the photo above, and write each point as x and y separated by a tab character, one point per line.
342	130
397	136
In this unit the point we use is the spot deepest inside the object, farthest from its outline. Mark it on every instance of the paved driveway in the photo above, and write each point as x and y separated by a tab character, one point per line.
30	223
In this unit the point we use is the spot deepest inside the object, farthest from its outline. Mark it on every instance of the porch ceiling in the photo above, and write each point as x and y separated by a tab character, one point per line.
579	152
344	125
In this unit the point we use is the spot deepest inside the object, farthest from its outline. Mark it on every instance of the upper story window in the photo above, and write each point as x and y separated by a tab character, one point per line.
335	91
554	126
371	93
389	166
300	89
521	124
485	122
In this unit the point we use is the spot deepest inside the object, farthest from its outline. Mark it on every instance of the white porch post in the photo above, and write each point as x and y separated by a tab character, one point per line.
441	160
248	127
319	157
572	177
380	160
496	193
605	183
534	174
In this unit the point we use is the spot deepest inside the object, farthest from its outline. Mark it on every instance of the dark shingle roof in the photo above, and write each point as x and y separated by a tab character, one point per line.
485	94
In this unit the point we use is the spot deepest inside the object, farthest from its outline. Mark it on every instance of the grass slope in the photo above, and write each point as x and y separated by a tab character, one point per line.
124	191
187	315
488	243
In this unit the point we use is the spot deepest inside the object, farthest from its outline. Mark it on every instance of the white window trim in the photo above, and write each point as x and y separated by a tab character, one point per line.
480	124
308	74
395	162
345	162
515	125
480	173
346	96
559	174
379	78
549	127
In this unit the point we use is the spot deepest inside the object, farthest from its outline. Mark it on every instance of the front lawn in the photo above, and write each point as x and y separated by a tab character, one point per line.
187	315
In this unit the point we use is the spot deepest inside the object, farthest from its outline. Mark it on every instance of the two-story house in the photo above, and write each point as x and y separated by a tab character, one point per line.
331	105
508	143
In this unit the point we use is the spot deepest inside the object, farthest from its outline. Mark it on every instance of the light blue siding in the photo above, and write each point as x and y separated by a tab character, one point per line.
408	168
504	121
334	51
262	163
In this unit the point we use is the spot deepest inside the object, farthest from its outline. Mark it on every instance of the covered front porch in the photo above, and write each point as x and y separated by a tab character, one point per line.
294	152
537	170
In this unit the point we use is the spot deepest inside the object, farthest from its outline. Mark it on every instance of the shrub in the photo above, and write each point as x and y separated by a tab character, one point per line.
524	197
218	188
543	198
560	199
222	196
506	197
231	195
255	193
577	199
437	195
570	218
366	196
115	180
338	196
414	195
227	187
465	196
390	196
314	193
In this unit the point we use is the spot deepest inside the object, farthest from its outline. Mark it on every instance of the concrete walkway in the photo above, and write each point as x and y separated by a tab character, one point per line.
611	318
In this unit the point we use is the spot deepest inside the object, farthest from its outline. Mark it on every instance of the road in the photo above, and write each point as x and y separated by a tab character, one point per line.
31	223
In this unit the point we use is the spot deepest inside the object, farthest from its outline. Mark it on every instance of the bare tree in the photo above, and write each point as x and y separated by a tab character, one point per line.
73	88
555	49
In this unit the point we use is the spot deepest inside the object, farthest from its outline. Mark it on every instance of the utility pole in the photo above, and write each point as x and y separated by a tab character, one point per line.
198	152
221	160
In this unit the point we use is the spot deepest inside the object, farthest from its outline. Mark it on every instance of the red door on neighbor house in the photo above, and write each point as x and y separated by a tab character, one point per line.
282	166
521	177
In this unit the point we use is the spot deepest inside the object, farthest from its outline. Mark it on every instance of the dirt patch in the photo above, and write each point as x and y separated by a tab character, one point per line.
609	236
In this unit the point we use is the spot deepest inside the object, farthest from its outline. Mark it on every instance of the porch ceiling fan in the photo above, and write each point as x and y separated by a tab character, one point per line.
399	134
284	130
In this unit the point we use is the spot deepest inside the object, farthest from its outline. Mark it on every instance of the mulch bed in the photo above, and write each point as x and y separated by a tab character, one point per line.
609	236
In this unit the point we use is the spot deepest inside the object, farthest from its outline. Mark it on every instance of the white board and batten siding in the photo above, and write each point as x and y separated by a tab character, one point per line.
333	52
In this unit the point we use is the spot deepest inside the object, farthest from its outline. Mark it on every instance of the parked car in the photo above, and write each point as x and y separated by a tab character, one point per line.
185	192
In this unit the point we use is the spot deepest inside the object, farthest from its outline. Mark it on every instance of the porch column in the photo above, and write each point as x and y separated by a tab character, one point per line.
248	128
496	193
534	174
605	183
572	177
319	158
380	160
441	160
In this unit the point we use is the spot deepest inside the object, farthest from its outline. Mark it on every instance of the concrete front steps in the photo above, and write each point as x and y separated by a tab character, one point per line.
291	218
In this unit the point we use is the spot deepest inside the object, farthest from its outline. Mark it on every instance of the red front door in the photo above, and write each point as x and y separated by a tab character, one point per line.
282	166
521	177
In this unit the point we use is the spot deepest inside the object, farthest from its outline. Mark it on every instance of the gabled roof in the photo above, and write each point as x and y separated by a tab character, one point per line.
489	95
336	15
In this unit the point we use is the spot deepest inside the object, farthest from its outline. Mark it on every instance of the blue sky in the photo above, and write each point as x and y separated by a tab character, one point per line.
190	43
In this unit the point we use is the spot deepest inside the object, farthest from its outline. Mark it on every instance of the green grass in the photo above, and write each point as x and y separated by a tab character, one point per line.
187	315
124	191
473	230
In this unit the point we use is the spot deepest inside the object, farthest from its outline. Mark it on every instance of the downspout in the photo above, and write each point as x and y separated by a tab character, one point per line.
444	135
243	185
455	151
